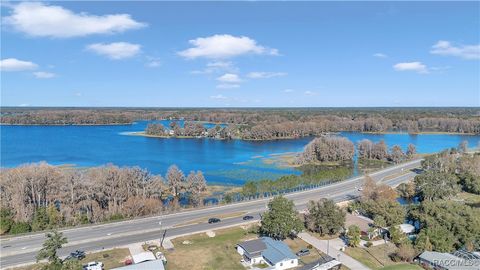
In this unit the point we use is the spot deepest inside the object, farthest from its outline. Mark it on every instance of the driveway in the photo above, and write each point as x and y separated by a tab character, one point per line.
333	249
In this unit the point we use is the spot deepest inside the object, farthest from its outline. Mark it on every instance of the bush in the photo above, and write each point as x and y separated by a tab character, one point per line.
6	220
117	216
368	244
20	227
40	219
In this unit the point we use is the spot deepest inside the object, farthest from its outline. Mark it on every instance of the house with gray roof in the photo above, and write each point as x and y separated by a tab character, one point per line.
252	251
448	261
267	250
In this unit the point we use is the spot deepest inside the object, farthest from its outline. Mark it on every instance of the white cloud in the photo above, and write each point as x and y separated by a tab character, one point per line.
288	90
13	64
116	50
265	75
153	62
220	97
44	75
227	86
468	52
224	46
24	105
217	66
220	64
229	78
380	55
411	66
310	93
40	20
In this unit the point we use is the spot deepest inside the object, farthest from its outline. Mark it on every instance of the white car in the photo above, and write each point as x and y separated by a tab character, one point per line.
93	266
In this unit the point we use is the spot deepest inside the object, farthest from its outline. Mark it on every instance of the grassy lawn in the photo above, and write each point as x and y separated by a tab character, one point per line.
404	266
110	259
373	257
208	252
297	244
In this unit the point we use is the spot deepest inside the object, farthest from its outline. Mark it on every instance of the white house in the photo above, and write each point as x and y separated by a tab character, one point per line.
266	250
251	251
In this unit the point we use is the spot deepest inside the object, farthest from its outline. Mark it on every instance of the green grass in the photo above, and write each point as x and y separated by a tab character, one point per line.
298	244
374	257
405	266
110	258
208	252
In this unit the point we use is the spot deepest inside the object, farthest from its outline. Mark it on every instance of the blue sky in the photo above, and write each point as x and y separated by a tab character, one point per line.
240	54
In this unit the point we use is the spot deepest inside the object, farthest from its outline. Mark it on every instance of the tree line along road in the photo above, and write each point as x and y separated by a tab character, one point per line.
22	249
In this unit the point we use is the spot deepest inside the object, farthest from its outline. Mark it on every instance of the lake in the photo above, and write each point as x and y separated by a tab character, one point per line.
225	162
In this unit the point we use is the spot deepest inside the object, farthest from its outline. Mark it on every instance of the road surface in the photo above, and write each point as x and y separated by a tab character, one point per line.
22	249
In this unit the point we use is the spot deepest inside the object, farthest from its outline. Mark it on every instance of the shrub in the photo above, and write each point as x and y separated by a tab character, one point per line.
20	227
116	216
6	220
368	244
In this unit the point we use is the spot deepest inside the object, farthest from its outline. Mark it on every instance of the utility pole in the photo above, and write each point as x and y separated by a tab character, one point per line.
163	235
328	247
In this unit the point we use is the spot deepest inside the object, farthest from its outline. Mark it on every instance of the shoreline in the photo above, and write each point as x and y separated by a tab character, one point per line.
142	133
416	133
61	125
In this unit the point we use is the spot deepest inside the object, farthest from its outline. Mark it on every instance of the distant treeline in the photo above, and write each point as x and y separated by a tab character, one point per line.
265	124
40	196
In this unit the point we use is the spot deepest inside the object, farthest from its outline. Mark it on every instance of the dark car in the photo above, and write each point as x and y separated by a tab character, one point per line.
213	220
78	254
247	217
303	252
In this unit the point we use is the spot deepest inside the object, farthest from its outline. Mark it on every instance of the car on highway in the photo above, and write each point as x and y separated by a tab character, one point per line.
247	217
303	252
213	220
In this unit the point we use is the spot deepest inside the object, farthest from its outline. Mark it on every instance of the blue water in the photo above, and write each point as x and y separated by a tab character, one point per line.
228	162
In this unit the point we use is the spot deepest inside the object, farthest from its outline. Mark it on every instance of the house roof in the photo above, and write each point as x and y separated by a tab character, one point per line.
407	228
276	251
253	247
143	257
447	261
324	263
362	222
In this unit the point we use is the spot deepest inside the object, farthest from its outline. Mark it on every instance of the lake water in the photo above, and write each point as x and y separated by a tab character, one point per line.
227	162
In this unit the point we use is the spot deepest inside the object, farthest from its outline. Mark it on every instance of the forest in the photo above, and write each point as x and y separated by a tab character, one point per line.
264	124
445	223
40	196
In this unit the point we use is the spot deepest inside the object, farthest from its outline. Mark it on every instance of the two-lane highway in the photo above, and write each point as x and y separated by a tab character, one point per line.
22	249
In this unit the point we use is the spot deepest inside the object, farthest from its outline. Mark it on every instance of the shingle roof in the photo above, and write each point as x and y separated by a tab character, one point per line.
276	251
253	247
